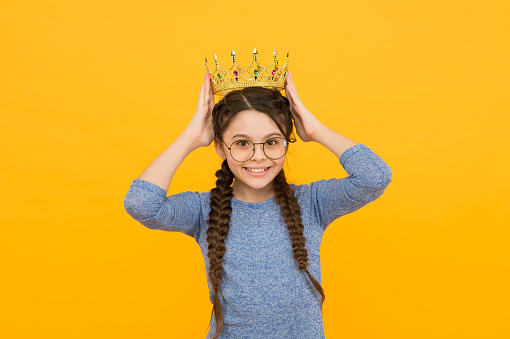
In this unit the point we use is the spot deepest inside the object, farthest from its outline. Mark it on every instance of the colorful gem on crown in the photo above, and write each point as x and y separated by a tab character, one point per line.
255	75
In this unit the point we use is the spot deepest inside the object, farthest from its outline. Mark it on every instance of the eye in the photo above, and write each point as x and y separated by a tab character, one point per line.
242	143
272	142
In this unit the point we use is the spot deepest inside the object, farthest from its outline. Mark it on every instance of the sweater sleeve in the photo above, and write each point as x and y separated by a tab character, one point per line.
148	203
368	178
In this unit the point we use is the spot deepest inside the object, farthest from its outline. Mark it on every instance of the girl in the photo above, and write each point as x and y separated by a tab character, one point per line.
260	237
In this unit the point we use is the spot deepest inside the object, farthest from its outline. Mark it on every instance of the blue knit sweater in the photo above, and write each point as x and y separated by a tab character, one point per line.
263	294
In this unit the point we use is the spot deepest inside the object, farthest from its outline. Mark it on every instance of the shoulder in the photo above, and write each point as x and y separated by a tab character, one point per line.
300	189
303	193
198	197
306	189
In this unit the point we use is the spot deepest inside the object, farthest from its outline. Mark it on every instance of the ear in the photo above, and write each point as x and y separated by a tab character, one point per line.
219	147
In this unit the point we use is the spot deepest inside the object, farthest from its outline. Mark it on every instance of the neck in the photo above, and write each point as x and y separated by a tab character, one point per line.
249	194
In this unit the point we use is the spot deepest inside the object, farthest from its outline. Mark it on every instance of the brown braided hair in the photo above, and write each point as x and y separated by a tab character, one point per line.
277	107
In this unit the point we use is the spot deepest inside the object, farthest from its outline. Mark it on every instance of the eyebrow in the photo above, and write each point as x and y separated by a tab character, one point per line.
247	137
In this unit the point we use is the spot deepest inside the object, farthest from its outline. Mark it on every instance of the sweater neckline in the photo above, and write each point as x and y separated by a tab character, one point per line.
259	204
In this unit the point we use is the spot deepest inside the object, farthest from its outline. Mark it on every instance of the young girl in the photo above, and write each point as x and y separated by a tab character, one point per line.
260	237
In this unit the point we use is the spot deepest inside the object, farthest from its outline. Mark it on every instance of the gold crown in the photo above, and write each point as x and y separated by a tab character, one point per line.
255	75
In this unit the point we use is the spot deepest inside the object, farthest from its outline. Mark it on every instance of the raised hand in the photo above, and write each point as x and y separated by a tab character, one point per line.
306	123
200	127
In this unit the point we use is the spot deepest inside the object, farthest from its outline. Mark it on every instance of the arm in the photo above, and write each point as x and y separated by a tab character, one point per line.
309	128
147	201
162	169
198	133
333	141
148	204
368	176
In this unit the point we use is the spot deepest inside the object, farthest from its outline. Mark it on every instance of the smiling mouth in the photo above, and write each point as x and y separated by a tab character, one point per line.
257	170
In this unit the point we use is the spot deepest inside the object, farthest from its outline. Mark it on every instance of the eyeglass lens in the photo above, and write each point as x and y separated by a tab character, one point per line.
243	150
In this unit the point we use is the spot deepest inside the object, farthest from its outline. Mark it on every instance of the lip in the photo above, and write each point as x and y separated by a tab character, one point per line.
261	174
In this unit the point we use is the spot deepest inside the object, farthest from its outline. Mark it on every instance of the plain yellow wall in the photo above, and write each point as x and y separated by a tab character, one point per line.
92	91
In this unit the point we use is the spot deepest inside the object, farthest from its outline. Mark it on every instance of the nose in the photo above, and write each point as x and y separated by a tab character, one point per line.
259	152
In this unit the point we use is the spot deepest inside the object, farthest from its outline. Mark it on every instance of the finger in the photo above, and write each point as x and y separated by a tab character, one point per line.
289	97
201	97
295	97
202	91
211	94
207	81
292	85
292	102
290	81
288	88
211	101
207	88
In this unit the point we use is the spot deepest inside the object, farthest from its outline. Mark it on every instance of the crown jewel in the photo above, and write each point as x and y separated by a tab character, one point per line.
255	75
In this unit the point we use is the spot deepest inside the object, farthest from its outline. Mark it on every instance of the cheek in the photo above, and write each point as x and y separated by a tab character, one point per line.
280	162
232	163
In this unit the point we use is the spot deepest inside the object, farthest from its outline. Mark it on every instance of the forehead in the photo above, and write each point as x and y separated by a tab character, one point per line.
253	124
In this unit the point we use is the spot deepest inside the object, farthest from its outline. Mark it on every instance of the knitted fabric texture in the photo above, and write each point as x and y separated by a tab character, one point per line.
263	293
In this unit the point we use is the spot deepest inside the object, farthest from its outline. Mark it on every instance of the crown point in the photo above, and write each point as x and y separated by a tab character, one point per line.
223	81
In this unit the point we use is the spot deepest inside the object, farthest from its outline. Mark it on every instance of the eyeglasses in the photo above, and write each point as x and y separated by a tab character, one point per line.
244	150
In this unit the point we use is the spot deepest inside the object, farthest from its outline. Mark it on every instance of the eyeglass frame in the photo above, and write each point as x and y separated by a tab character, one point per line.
257	143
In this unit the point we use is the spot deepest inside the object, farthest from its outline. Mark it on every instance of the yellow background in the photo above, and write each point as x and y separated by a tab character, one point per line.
92	91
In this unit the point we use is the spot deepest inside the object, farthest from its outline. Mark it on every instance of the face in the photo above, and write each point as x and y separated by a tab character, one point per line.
255	176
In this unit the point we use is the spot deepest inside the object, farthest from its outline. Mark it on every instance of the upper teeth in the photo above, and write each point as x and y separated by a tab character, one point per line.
256	170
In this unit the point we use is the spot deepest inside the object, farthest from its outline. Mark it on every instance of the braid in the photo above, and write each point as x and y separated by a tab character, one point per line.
219	218
292	216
